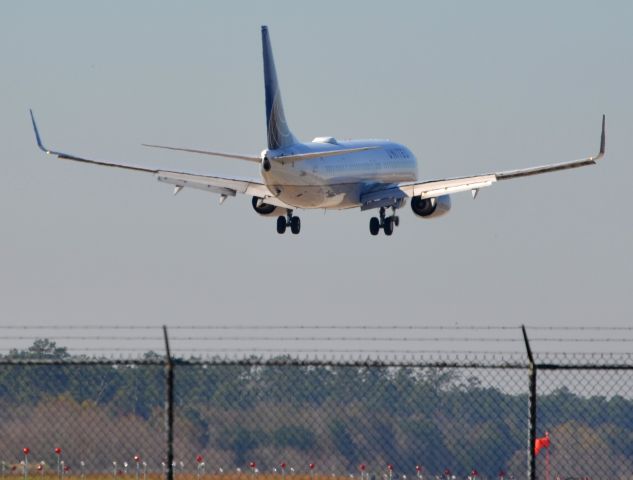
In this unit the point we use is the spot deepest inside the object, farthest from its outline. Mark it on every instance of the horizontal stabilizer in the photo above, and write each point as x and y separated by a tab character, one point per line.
250	158
327	153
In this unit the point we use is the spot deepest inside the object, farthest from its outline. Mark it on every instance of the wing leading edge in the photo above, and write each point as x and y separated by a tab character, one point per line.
435	188
225	186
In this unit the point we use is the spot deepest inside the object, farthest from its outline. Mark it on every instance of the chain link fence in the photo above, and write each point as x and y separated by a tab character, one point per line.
588	416
277	417
341	417
99	416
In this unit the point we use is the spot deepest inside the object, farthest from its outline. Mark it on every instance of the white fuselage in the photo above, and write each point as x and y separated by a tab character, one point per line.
337	181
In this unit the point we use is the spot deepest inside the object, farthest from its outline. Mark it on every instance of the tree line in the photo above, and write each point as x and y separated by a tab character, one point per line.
335	417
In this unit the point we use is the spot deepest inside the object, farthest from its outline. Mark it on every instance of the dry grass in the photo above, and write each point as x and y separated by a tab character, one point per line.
131	475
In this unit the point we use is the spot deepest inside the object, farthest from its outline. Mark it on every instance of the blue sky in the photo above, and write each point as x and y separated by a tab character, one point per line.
470	87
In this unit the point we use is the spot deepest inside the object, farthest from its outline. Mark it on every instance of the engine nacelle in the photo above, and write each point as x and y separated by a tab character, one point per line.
266	210
431	207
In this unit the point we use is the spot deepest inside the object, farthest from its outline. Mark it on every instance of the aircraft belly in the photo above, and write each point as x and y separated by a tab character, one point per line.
320	196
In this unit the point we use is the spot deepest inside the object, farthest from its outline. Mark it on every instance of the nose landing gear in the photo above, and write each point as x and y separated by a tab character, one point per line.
388	224
289	221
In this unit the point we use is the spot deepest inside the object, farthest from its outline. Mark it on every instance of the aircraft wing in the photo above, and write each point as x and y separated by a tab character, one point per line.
383	196
226	186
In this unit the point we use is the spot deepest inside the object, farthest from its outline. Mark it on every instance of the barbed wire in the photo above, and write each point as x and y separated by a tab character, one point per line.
572	355
319	327
312	339
260	327
282	351
303	341
348	360
256	338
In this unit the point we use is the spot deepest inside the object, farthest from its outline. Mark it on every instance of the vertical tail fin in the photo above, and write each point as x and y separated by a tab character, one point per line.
279	135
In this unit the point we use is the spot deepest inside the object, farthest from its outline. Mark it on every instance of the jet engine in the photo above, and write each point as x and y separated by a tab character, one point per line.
267	210
431	207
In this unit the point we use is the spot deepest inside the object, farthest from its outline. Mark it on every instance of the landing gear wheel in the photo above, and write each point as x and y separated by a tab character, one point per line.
295	225
281	225
397	220
374	225
388	226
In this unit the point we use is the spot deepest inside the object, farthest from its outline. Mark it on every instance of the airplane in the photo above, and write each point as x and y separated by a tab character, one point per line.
327	173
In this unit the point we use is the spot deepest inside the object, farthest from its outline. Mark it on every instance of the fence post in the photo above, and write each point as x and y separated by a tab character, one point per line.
531	464
169	409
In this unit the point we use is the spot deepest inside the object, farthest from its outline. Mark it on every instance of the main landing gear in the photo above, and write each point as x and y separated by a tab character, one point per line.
386	223
289	221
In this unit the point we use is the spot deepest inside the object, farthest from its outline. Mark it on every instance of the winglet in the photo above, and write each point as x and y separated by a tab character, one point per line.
37	134
602	138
